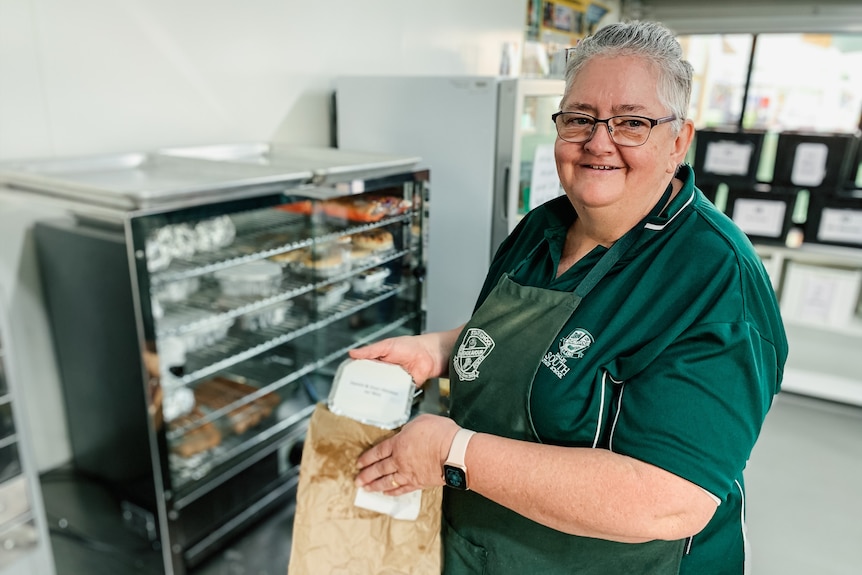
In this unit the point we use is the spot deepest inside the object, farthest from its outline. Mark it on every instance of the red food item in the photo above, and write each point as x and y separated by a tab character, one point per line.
365	209
304	207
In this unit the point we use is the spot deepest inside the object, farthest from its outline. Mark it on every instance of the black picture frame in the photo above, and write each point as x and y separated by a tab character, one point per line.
835	220
730	146
834	150
764	216
854	171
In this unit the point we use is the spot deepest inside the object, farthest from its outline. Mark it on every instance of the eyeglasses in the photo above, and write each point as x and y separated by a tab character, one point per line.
578	128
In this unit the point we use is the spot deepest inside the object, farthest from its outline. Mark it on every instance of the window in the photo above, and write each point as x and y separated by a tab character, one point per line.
720	68
810	82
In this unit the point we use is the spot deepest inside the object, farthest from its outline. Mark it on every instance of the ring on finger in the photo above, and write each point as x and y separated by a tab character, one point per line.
394	483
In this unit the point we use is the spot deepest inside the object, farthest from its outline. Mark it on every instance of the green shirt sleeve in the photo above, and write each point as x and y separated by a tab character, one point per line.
698	409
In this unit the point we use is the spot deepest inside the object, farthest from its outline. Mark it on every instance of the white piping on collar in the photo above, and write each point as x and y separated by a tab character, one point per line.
660	227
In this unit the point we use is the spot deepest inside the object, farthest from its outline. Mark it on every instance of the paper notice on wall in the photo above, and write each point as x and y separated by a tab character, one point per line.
760	217
809	164
728	158
544	182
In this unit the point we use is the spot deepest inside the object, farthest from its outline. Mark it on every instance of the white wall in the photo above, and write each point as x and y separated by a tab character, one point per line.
104	76
94	76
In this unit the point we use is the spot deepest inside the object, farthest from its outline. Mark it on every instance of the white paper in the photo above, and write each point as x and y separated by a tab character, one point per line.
809	164
818	295
544	181
840	226
372	392
814	303
404	507
760	217
728	158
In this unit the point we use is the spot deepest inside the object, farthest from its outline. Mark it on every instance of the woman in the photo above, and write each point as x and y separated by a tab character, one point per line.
623	354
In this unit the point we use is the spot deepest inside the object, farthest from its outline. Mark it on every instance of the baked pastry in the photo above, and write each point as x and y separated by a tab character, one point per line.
220	392
374	240
324	265
197	439
289	257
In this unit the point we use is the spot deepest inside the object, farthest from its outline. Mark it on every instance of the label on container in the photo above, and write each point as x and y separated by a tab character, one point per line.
372	392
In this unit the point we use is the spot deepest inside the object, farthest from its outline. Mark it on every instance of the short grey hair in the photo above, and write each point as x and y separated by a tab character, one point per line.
649	40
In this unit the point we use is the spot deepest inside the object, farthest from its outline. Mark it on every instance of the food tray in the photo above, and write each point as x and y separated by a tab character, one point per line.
370	280
137	180
328	297
268	316
176	291
258	278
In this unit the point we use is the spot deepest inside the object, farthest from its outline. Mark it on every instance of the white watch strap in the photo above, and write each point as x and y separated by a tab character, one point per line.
459	447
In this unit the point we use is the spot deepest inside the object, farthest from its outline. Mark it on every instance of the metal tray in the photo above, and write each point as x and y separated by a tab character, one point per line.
139	180
326	164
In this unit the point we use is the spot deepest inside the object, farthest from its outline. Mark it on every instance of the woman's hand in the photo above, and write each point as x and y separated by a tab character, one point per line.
409	460
423	356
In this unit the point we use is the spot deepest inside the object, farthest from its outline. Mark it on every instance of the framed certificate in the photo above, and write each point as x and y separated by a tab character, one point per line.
835	220
816	162
727	156
763	216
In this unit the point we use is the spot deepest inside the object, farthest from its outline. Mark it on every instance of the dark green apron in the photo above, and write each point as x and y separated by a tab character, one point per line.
493	365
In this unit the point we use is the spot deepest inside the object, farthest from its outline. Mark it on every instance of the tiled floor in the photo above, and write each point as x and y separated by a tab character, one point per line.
804	501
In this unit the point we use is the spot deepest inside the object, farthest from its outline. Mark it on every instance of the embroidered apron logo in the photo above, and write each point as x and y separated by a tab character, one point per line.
573	345
474	348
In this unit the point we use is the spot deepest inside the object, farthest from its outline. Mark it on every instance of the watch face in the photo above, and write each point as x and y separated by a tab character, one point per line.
455	477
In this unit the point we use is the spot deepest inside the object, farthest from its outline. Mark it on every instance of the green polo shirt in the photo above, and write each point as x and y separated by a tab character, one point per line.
673	358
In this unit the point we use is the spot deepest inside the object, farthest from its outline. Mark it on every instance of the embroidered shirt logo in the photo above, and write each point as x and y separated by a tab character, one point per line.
574	346
576	343
474	348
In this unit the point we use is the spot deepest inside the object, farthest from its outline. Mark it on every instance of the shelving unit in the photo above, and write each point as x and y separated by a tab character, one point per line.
825	359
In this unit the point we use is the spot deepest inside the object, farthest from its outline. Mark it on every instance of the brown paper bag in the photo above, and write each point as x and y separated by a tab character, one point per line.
331	536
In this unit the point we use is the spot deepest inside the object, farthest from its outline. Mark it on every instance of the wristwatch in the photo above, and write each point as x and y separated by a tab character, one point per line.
454	470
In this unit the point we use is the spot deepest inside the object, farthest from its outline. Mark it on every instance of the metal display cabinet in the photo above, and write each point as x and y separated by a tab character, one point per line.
194	340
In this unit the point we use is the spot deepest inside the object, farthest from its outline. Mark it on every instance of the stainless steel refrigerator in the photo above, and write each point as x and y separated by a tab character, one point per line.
489	142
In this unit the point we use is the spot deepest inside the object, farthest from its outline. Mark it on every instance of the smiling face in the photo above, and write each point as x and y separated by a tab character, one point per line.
600	174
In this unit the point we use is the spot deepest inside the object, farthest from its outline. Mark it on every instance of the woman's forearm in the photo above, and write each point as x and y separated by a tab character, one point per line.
587	492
